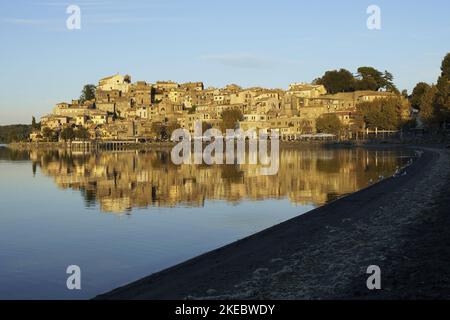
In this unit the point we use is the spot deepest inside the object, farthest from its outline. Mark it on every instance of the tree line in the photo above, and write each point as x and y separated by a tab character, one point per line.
366	78
14	133
432	100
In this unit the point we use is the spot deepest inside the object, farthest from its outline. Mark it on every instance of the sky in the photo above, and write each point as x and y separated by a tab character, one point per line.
248	42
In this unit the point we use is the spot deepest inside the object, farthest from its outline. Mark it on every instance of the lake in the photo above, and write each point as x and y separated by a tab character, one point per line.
123	215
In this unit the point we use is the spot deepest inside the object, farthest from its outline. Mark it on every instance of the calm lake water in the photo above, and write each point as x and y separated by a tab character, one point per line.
121	216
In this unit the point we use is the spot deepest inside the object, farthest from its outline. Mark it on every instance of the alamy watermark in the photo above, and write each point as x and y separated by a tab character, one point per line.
74	280
374	19
212	147
374	280
73	22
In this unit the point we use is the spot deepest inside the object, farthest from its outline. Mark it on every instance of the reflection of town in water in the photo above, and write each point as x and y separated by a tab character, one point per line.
120	181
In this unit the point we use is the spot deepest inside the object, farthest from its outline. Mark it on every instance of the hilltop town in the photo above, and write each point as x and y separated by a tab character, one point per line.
141	111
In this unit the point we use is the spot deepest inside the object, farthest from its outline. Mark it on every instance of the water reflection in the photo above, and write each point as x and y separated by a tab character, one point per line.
121	181
45	226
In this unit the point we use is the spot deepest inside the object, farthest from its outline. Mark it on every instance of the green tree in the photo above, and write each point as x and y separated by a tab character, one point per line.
388	82
442	98
337	81
329	123
384	114
34	124
67	134
158	129
14	133
82	134
48	134
417	94
88	93
369	78
230	119
427	111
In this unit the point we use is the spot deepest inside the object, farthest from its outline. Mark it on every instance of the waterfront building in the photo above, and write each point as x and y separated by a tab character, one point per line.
120	105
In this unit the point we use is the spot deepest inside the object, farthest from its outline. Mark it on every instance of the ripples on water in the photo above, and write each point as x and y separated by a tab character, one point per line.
124	215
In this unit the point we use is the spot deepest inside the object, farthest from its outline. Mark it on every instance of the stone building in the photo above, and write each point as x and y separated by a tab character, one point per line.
115	82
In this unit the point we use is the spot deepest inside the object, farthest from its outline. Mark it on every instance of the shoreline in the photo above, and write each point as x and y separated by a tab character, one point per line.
324	253
169	144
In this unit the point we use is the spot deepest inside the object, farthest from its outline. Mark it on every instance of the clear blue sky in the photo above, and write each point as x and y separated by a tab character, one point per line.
266	43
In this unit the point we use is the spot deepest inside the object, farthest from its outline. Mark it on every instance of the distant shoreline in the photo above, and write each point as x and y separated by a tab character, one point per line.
323	254
169	144
63	145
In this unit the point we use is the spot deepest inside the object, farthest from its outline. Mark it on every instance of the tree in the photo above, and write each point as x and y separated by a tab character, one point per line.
67	134
48	134
441	100
388	82
230	118
427	111
329	123
384	114
337	81
417	94
15	132
82	134
158	129
34	124
88	93
367	78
